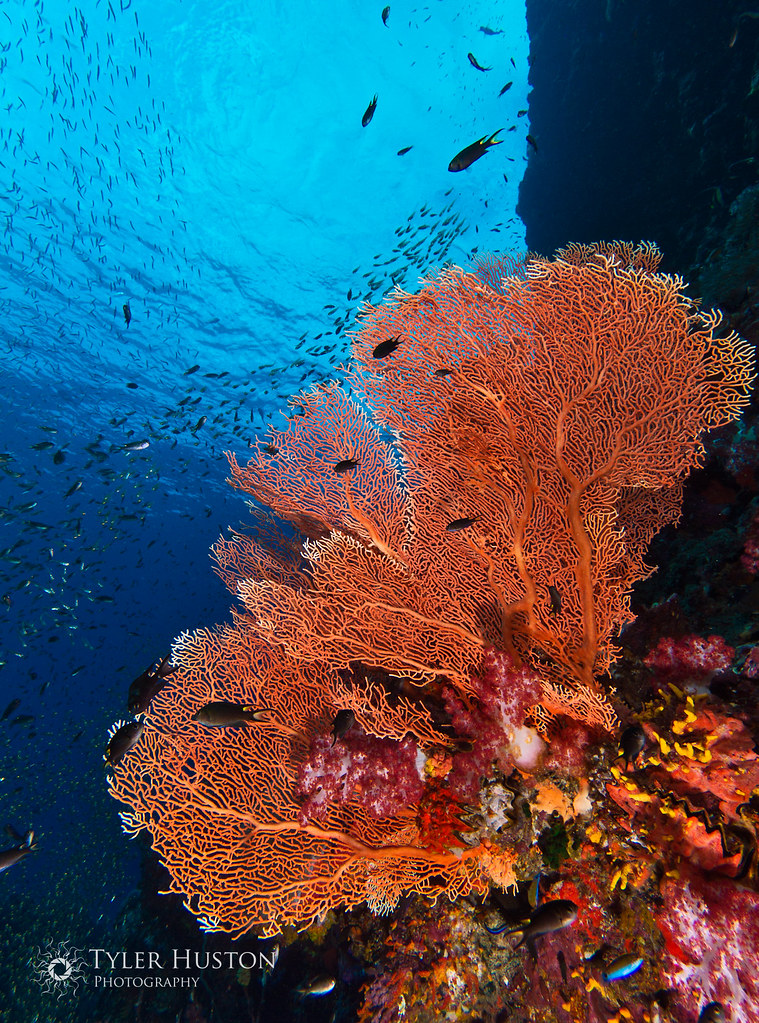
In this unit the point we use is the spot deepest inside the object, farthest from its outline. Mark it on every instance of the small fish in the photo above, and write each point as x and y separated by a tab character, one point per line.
142	690
385	15
136	445
341	724
10	708
127	313
623	966
148	685
551	916
270	449
555	598
473	152
123	736
73	489
533	892
473	62
562	961
201	422
7	599
9	857
506	88
713	1012
166	668
491	31
531	141
632	742
321	985
44	445
58	458
345	466
386	347
443	371
369	112
406	149
457	524
223	714
192	369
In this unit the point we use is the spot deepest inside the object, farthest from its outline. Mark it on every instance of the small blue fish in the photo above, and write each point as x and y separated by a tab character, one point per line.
623	966
321	985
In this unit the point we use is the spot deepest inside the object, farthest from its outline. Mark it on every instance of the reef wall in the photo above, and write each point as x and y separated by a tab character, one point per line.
645	114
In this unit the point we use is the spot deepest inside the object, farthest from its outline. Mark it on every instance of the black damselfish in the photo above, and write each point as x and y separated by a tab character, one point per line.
369	112
385	348
473	152
551	916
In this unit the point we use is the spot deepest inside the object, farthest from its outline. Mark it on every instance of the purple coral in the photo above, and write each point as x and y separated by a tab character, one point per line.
569	745
382	775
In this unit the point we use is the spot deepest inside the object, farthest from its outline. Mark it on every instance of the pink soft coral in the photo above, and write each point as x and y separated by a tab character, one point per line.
711	932
382	775
495	723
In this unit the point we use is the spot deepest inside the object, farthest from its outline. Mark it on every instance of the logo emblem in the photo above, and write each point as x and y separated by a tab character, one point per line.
59	968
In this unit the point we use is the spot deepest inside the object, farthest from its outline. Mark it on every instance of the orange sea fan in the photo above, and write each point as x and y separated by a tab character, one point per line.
514	456
221	809
557	413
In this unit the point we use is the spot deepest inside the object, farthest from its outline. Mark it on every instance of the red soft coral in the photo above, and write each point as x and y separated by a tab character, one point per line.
690	658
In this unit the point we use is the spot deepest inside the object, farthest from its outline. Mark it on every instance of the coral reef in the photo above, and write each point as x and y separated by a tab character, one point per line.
494	721
383	775
460	528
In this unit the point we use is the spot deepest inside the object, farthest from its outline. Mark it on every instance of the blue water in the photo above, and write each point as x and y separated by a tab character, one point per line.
204	163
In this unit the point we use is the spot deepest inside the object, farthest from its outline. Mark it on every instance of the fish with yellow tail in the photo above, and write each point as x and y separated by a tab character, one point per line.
473	152
223	714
